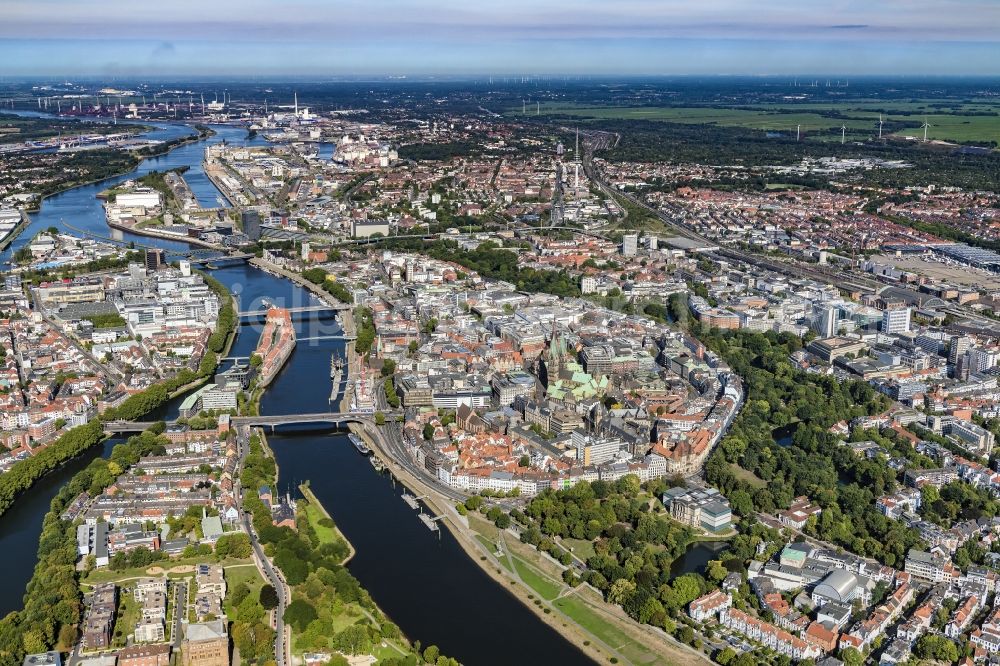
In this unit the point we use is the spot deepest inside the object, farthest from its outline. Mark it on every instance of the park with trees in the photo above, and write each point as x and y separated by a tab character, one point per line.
784	403
329	610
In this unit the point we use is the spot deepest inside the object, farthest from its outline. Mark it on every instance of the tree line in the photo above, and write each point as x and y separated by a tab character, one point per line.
53	604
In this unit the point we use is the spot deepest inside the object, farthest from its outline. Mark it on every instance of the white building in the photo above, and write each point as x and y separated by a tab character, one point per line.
368	228
630	245
896	320
594	450
140	198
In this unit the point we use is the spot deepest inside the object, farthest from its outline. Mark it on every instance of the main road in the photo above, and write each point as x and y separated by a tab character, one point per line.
270	573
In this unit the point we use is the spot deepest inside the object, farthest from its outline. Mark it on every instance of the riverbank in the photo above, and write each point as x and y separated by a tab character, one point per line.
150	232
16	231
138	157
313	501
71	443
604	619
224	191
314	289
202	132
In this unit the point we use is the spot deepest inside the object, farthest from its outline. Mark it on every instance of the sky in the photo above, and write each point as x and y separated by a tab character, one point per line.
499	37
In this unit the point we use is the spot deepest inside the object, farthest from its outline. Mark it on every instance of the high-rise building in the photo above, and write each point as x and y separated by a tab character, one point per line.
251	224
959	345
155	258
825	323
896	320
630	245
963	367
984	359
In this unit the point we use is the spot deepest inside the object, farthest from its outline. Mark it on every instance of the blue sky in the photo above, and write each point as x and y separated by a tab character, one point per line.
386	37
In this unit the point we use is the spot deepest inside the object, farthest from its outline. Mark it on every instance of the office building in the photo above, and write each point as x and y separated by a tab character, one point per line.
825	324
251	224
155	258
959	345
896	320
594	450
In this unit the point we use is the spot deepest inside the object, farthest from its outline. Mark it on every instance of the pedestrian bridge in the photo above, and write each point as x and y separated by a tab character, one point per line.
332	418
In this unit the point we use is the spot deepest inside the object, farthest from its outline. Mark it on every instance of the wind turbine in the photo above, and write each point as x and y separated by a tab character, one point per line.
925	126
798	132
843	134
880	127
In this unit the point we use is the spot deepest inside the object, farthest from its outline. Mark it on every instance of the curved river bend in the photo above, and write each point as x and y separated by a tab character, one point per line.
427	585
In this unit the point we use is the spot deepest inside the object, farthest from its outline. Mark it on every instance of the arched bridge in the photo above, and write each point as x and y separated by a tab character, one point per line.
334	418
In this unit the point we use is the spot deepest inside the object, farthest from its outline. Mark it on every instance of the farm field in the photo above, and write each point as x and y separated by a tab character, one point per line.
860	118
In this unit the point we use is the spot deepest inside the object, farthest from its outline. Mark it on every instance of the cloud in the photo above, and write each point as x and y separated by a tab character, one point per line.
849	26
163	50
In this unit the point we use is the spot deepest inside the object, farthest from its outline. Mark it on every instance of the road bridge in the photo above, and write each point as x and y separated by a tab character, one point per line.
316	338
333	418
253	314
222	259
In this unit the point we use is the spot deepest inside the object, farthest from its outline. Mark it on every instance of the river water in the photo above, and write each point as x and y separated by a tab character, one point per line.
425	583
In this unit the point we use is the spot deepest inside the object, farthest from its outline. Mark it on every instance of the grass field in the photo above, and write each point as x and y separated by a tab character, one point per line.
325	533
588	618
958	128
636	651
484	527
580	547
746	475
544	586
862	118
236	576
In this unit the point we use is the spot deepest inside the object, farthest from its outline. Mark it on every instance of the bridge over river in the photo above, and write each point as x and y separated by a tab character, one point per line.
333	418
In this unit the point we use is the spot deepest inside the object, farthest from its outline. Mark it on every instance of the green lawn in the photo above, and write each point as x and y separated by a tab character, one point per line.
595	622
236	576
489	545
540	583
325	533
128	615
592	621
351	615
106	575
484	527
747	475
580	547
